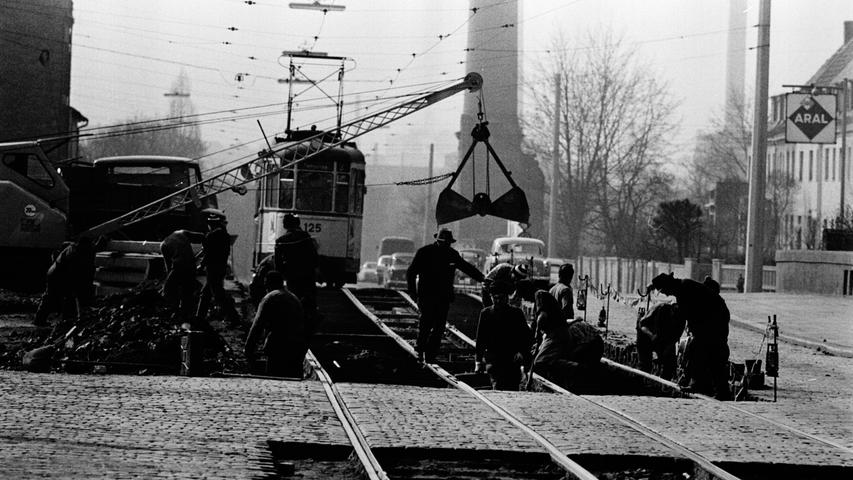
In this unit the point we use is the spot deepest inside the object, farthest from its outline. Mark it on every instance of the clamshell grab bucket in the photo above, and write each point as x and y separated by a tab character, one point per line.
453	206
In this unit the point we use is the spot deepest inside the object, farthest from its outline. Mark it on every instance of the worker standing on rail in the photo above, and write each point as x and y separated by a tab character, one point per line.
562	291
707	316
297	259
503	343
430	283
180	285
216	247
505	278
69	280
280	320
658	331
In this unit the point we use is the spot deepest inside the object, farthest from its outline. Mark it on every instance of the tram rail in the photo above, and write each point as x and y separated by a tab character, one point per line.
700	463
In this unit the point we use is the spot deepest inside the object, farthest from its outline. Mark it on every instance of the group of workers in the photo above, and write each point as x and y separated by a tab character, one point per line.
556	345
561	348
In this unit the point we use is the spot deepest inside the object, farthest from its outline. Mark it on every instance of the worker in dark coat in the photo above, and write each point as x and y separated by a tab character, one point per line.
280	321
570	352
257	289
659	331
562	290
430	283
180	285
216	247
297	259
503	343
69	281
707	316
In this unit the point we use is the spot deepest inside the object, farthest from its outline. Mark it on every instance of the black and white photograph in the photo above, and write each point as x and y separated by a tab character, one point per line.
426	239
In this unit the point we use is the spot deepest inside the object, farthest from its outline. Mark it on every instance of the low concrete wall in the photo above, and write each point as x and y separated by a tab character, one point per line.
813	271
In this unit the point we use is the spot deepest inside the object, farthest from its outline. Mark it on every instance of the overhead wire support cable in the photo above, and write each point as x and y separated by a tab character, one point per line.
307	148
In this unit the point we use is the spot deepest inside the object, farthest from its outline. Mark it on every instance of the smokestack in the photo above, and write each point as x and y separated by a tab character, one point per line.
735	57
848	31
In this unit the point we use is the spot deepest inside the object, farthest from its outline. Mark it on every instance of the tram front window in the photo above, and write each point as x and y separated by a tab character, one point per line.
342	193
314	191
285	192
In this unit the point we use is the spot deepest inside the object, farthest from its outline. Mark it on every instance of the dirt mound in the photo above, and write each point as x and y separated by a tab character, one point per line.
130	332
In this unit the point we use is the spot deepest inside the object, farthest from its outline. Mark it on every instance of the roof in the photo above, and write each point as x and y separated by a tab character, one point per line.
144	160
836	68
519	240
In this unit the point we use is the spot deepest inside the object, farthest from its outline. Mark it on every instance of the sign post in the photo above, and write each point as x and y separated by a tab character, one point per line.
811	118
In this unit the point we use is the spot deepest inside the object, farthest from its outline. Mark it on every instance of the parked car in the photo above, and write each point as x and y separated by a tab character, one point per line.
368	272
395	274
381	267
522	250
474	256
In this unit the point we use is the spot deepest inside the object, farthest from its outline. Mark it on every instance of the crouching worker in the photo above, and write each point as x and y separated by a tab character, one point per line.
280	320
569	352
503	343
69	282
659	331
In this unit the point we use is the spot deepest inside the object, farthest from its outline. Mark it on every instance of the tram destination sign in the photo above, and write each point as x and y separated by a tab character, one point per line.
811	118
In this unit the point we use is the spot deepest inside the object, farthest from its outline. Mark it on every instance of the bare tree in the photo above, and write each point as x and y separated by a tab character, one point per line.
612	129
723	153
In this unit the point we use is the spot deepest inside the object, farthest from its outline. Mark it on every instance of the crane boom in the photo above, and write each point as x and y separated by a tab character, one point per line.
297	151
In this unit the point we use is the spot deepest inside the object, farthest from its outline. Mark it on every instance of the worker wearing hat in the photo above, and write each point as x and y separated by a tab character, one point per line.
504	279
216	247
430	282
297	259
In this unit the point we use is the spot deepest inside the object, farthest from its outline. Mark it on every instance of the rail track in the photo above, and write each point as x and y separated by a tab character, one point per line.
368	337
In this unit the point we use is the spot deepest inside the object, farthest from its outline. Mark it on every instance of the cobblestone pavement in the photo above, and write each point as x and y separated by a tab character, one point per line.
76	426
403	416
815	390
724	435
574	425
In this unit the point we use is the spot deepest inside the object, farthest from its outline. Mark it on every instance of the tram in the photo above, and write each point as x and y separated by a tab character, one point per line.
326	192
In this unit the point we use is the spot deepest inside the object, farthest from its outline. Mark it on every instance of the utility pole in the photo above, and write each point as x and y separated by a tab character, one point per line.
555	173
428	205
755	211
844	94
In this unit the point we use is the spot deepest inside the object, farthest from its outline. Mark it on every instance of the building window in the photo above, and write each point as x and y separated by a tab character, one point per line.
801	166
826	168
811	166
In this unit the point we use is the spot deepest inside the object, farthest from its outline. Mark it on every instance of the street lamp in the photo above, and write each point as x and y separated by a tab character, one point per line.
318	6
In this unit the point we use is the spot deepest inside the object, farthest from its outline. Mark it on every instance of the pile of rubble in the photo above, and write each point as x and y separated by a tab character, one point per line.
130	332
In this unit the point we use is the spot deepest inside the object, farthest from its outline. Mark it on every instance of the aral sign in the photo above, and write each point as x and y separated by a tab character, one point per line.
810	118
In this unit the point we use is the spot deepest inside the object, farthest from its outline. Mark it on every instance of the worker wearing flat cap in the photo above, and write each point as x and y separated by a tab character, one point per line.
430	282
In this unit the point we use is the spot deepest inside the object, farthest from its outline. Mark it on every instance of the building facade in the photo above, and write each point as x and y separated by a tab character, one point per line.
35	74
813	172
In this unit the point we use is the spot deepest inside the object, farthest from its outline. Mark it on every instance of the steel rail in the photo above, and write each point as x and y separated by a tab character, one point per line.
676	387
623	418
372	468
556	455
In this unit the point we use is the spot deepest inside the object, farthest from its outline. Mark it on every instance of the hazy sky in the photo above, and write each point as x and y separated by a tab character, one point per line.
127	54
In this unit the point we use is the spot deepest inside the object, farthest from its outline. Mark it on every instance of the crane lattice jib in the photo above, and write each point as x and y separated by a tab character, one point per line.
293	152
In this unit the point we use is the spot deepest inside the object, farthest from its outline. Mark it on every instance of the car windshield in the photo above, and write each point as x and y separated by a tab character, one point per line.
522	248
